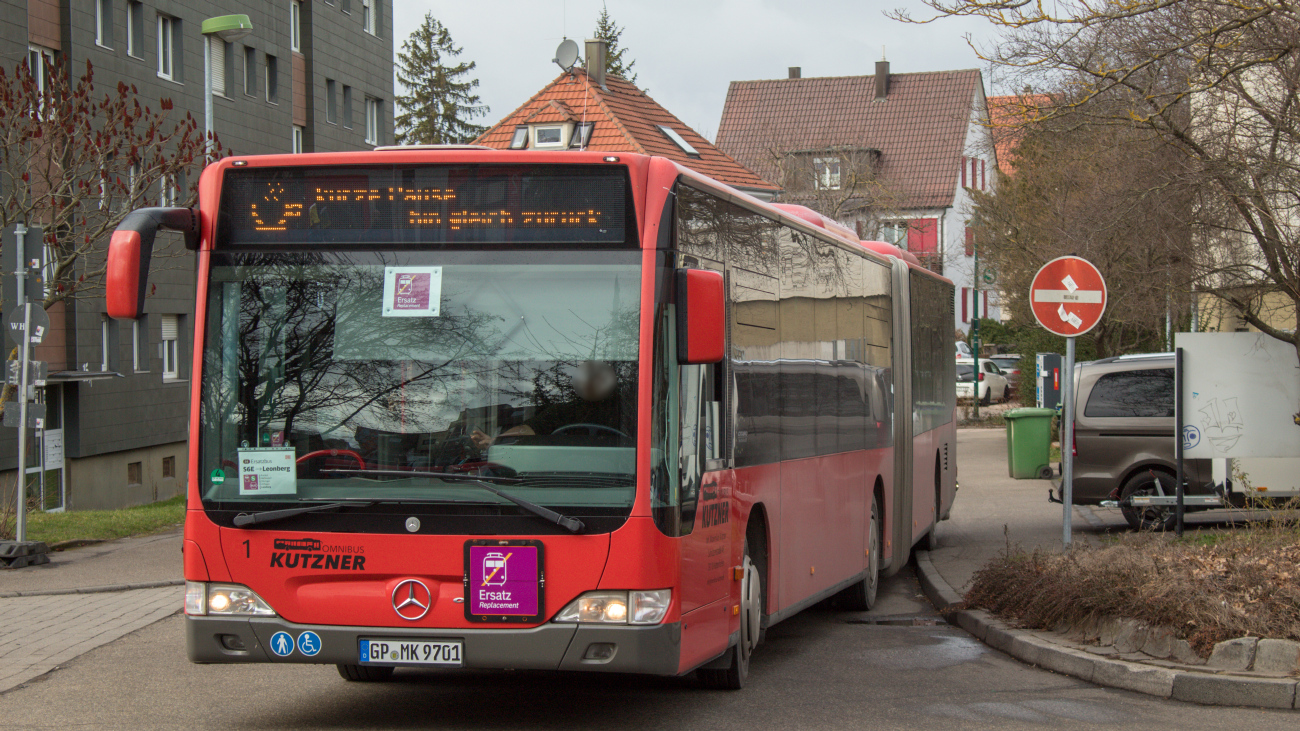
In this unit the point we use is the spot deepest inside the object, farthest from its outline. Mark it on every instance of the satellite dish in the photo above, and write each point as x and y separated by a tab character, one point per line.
567	54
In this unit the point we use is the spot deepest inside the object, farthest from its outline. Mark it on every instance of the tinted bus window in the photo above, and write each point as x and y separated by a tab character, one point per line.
934	392
1146	393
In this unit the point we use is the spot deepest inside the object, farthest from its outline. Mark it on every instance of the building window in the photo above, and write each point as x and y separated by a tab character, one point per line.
41	61
218	60
135	29
331	102
520	139
168	467
168	192
107	343
272	78
581	136
250	71
548	136
139	345
826	173
169	325
678	140
372	120
297	139
295	25
134	475
347	106
104	23
166	67
894	232
368	16
346	6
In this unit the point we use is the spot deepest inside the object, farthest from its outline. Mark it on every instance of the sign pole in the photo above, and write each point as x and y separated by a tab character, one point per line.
975	330
1179	443
20	298
1067	442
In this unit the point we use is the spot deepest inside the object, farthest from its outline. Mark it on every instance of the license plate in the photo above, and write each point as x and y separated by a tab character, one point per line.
384	651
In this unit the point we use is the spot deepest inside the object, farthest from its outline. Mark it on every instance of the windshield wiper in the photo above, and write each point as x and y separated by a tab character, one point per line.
267	516
573	525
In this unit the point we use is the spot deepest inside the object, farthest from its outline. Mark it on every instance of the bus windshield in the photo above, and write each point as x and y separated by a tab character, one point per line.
326	375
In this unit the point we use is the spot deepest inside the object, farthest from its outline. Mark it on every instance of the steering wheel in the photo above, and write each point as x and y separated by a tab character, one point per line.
332	453
590	427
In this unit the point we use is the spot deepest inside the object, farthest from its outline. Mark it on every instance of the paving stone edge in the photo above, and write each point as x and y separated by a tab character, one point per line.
92	589
1195	687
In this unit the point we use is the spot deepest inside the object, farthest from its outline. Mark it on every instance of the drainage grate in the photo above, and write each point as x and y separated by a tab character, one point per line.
900	620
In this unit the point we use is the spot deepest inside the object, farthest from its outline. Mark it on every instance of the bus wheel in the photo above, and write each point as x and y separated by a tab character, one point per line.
862	596
751	615
364	673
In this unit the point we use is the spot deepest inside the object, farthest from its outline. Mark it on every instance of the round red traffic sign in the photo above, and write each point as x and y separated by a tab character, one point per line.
1068	296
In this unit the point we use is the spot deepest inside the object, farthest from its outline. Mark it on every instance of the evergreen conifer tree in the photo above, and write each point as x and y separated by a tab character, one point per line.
440	101
609	31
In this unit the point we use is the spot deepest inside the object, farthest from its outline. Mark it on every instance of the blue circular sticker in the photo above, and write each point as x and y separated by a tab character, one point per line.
1191	436
309	643
282	644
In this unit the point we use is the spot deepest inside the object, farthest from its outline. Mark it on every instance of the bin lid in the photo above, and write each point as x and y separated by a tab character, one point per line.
1028	412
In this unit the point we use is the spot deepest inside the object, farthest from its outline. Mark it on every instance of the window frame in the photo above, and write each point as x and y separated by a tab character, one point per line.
519	140
295	26
823	176
271	79
166	47
372	120
331	101
169	348
537	137
134	39
139	344
676	138
368	16
104	24
347	107
296	139
250	71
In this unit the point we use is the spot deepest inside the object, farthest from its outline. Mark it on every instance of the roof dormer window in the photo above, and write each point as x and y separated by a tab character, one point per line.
548	136
671	134
520	139
581	136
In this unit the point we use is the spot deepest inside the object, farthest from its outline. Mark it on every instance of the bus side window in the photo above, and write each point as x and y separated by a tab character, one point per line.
701	437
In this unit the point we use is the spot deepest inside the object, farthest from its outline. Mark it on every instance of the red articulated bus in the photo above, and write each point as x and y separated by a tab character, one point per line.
574	411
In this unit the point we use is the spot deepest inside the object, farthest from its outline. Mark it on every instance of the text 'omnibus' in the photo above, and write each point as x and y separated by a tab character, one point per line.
571	411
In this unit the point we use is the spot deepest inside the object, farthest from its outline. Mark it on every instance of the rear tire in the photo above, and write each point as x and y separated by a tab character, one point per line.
988	396
751	617
364	673
861	597
1149	518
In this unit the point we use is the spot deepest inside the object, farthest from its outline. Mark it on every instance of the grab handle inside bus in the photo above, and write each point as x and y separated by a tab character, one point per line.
129	252
701	331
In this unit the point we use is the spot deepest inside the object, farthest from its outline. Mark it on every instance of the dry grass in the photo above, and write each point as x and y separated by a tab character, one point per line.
1242	582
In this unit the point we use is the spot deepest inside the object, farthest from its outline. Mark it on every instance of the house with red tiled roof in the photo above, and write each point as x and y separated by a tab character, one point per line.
1008	116
894	156
583	110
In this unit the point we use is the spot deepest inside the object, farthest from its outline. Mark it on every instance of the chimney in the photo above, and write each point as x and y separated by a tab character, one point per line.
882	79
795	72
595	60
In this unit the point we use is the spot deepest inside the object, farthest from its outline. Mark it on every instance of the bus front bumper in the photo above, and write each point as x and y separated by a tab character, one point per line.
652	650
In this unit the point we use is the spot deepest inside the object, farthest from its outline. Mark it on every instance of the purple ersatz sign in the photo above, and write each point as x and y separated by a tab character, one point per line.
503	581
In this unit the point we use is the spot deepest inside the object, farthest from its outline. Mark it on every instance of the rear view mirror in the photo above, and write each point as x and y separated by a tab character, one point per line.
130	250
701	315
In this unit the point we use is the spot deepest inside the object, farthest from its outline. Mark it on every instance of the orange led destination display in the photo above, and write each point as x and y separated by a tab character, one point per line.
433	205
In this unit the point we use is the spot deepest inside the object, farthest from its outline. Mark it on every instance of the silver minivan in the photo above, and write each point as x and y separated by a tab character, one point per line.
1124	436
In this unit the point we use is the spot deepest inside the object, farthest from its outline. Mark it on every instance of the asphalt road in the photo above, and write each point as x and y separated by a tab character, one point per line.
823	669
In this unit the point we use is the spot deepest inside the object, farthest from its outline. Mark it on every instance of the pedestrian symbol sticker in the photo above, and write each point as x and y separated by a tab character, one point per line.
282	644
309	643
412	291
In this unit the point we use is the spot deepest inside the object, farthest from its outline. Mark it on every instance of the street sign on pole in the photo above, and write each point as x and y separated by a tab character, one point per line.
1068	297
38	327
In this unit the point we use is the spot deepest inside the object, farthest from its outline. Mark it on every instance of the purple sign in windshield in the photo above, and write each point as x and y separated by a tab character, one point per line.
503	581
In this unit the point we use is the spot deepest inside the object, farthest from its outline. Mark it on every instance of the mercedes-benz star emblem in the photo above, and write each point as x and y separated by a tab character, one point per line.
411	599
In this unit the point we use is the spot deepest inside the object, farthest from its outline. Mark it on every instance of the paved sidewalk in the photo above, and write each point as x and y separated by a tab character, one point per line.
42	632
42	625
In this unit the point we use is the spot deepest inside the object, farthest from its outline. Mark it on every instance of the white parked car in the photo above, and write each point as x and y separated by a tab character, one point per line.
993	385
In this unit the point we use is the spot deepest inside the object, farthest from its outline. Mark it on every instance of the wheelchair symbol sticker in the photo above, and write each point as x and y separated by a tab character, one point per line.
309	643
282	644
1191	436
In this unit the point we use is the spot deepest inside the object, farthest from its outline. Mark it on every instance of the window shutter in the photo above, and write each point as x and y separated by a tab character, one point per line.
169	327
963	172
923	235
983	176
970	242
965	302
218	66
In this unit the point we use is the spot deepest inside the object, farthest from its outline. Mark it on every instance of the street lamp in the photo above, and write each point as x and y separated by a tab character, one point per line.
227	29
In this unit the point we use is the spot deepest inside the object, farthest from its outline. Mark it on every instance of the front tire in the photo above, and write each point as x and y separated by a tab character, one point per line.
1160	517
364	673
988	396
751	617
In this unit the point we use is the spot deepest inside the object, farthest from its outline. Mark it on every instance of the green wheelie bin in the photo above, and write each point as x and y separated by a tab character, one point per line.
1029	443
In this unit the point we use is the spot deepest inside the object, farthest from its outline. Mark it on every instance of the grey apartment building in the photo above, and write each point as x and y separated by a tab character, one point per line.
313	76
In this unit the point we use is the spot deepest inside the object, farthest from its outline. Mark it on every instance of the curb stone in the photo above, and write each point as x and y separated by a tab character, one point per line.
93	589
1196	687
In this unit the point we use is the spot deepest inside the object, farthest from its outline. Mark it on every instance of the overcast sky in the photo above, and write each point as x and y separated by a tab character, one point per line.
688	51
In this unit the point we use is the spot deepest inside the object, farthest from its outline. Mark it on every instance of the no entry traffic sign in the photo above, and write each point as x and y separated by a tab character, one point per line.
1068	296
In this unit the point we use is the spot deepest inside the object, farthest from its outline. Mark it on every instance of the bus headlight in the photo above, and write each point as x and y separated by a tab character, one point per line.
224	600
618	607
